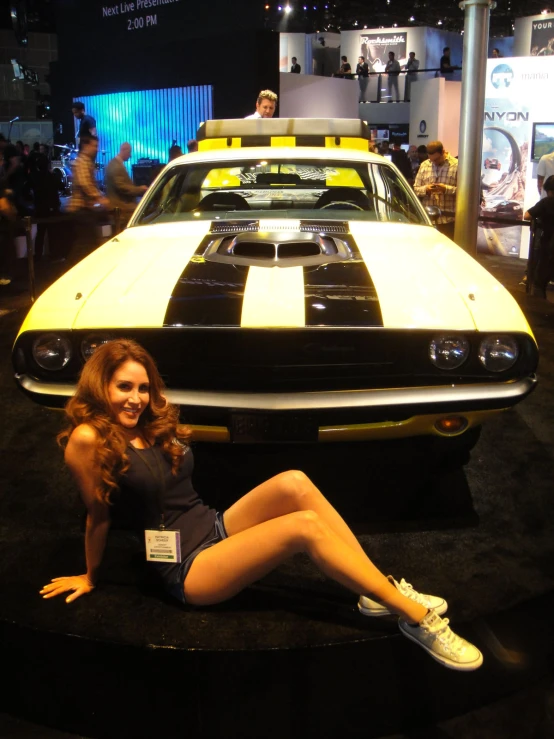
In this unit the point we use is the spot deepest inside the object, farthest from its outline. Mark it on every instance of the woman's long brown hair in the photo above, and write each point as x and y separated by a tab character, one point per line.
91	405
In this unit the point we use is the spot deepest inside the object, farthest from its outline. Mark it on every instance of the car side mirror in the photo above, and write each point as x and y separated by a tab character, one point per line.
433	212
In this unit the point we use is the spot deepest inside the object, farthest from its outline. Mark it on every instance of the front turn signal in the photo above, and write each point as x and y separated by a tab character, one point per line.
451	425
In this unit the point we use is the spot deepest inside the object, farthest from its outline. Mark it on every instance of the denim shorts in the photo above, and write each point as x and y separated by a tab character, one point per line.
218	533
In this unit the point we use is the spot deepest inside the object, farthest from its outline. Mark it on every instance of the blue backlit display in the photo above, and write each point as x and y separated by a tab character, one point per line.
150	120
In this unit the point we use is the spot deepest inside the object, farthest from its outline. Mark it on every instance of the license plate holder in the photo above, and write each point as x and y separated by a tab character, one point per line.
256	428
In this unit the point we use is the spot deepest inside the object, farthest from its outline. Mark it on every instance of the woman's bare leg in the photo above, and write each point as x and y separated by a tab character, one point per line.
228	567
286	493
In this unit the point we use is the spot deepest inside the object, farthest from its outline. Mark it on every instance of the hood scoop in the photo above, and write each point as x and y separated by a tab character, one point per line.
280	249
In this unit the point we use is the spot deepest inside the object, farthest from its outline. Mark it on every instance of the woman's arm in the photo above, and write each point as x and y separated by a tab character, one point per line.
80	457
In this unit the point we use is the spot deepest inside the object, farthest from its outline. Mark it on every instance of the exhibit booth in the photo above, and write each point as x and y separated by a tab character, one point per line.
518	130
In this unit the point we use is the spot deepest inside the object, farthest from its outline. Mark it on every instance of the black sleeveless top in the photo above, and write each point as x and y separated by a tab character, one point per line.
138	500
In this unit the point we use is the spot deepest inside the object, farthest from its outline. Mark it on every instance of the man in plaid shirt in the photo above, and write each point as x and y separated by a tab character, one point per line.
85	197
436	183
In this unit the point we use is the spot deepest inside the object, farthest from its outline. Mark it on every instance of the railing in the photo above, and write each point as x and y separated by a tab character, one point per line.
29	221
378	87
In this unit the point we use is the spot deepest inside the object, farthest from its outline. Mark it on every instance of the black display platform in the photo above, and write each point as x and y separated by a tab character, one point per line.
290	656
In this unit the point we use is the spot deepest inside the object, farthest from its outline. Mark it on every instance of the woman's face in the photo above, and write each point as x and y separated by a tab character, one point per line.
129	393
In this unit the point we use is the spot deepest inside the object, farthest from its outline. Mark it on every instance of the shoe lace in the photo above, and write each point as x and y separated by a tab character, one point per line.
445	636
409	591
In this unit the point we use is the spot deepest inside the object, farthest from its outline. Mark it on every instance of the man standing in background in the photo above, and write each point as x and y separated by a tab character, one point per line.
435	184
84	201
265	105
393	70
295	67
120	190
445	63
87	124
545	168
362	70
411	66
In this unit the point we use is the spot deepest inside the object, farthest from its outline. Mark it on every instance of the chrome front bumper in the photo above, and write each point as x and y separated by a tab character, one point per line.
501	395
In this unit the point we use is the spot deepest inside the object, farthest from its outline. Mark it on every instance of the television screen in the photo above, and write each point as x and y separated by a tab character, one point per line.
543	140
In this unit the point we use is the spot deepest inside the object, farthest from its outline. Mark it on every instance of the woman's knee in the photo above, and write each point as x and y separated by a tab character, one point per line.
310	526
296	485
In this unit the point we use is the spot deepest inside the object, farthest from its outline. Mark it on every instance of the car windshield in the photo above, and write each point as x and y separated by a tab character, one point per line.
354	190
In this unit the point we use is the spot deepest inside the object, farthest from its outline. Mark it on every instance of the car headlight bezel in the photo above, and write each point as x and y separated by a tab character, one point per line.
498	353
90	343
448	351
46	347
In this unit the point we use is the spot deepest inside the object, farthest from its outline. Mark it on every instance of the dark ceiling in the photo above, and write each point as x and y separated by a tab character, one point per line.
323	15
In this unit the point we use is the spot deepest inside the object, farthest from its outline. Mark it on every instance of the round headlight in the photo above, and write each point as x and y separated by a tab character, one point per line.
498	353
448	352
51	351
91	344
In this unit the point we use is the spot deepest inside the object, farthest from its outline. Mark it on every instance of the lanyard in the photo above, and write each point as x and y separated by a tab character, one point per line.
159	478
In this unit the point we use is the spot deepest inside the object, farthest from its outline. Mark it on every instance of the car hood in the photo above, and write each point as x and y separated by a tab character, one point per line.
420	280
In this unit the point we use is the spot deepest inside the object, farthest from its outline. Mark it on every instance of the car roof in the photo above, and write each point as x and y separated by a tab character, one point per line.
231	154
301	128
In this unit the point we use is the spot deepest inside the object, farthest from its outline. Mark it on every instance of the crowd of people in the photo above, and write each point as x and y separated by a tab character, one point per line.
69	217
27	187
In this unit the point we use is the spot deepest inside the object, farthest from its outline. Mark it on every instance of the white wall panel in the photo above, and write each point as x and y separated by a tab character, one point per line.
308	96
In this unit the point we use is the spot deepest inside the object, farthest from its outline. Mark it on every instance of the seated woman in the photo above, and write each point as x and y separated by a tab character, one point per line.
124	448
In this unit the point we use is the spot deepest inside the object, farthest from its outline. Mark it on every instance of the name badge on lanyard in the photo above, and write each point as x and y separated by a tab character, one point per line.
162	545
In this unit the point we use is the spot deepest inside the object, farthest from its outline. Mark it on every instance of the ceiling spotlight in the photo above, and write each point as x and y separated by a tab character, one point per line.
439	23
395	25
288	9
412	19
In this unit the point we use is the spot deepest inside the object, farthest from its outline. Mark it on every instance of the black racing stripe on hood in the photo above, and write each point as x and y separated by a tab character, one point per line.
341	294
207	293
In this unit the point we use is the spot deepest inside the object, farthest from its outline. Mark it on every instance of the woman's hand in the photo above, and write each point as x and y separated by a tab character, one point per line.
80	584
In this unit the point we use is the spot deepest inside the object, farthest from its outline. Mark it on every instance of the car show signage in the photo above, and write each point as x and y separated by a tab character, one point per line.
375	47
516	97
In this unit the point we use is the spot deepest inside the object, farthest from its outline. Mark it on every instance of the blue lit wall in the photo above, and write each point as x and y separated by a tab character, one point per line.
148	119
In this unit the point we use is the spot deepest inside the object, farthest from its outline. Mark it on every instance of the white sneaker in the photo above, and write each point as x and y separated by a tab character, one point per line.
370	607
435	636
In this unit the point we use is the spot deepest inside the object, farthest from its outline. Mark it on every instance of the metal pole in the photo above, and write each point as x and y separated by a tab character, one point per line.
472	114
30	257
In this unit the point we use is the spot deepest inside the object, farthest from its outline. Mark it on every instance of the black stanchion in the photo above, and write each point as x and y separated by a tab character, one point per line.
117	220
531	257
30	256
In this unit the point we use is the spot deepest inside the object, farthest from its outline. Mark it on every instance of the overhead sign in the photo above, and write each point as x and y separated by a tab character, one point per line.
375	47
